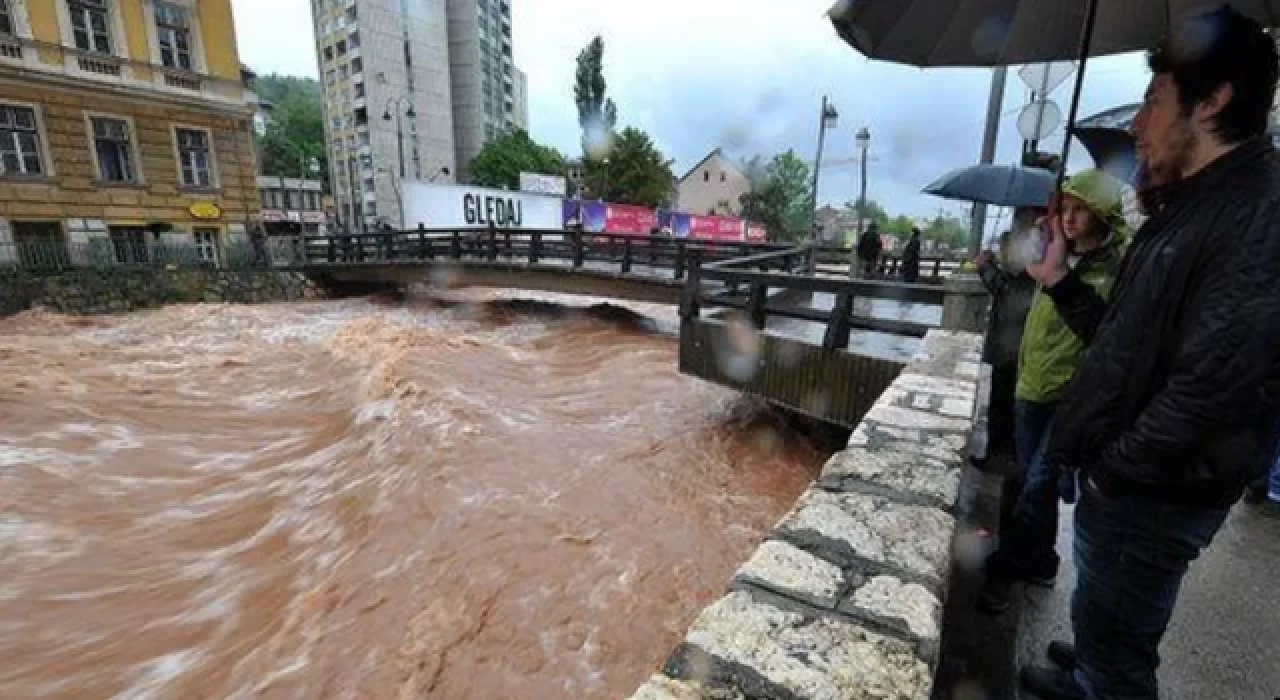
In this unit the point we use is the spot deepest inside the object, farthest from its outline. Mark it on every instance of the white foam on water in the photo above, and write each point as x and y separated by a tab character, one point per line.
157	674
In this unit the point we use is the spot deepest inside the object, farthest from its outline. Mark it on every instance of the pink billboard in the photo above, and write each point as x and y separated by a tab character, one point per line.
715	228
627	219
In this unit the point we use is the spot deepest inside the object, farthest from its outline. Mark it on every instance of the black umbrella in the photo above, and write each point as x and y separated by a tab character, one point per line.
1001	185
1002	32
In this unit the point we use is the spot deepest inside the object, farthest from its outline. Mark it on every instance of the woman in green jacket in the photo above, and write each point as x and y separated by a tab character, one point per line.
1091	214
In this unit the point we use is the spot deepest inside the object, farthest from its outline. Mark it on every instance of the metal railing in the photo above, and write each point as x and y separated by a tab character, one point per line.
778	272
48	257
623	254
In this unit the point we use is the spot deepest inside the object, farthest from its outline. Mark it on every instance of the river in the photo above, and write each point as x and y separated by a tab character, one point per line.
365	499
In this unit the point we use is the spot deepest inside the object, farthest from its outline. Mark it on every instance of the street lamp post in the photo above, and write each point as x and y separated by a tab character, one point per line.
408	112
863	142
828	119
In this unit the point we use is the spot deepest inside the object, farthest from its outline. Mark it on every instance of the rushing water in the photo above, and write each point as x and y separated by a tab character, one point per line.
362	500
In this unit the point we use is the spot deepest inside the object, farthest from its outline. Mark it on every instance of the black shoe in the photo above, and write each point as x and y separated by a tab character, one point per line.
1062	655
995	596
1256	492
1051	683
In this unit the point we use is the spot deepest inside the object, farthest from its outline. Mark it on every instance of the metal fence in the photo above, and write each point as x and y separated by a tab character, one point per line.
46	257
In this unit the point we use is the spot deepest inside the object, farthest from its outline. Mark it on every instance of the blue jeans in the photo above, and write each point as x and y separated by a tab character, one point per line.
1131	555
1029	532
1273	483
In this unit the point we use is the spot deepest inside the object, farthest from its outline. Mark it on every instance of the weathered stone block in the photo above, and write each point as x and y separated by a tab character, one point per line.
785	653
917	478
874	533
907	607
897	417
784	568
661	687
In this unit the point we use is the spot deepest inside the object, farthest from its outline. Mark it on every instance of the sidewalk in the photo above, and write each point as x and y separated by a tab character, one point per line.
1224	640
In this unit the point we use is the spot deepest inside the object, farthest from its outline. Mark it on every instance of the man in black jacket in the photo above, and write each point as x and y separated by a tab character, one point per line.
1173	411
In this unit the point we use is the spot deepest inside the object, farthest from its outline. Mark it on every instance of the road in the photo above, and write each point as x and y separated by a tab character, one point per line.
1224	640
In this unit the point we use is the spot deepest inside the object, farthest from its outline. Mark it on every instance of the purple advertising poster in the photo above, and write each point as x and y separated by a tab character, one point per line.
674	223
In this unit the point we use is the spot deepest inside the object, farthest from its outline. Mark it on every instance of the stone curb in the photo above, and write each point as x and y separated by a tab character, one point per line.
844	598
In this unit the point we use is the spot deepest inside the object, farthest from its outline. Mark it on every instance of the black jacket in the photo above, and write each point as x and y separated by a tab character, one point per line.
869	246
1179	393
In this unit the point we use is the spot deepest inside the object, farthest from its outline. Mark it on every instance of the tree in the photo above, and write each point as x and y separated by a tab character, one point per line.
947	230
780	196
597	114
635	172
295	134
502	160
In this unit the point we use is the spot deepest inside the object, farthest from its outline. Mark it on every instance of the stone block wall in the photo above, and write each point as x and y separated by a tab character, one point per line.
110	290
844	598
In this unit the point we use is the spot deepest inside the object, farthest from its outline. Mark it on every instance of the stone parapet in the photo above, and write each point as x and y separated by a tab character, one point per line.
843	600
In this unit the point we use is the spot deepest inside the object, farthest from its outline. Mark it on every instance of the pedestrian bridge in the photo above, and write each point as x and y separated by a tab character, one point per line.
779	321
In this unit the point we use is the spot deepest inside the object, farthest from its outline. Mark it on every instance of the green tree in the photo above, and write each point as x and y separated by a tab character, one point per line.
780	196
295	133
634	172
597	114
947	230
502	160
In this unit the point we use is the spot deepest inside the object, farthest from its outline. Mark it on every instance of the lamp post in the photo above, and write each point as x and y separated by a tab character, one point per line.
409	112
828	119
862	140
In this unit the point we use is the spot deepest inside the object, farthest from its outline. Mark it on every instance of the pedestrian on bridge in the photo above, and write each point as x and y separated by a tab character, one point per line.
869	248
1173	411
1096	235
911	258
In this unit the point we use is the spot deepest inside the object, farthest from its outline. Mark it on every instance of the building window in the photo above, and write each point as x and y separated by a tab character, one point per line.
264	197
89	25
343	72
194	158
276	200
706	176
174	31
313	202
129	244
330	77
19	142
357	65
207	245
359	88
328	53
342	47
354	40
115	152
722	176
41	244
6	18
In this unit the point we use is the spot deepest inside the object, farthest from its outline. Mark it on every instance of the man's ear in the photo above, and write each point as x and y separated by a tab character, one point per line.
1209	108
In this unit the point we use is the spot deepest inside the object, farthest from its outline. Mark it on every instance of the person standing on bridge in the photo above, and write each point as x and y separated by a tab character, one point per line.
869	247
1092	217
1174	409
911	258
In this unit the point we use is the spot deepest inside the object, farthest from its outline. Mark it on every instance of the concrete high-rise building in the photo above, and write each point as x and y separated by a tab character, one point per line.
441	70
384	66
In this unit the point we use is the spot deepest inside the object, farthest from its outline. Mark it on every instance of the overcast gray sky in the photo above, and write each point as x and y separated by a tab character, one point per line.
747	75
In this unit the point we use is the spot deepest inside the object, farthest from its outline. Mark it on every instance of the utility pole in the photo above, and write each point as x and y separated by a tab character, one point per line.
978	224
826	119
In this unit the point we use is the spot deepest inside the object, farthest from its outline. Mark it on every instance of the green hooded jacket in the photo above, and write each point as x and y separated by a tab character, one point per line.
1051	353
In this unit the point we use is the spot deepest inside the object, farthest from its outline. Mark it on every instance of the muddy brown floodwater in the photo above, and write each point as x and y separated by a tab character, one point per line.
347	499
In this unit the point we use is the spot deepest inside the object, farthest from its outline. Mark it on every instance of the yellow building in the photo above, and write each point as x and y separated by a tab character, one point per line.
124	124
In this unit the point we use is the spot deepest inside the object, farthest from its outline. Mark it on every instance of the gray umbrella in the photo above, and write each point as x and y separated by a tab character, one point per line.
1006	32
1001	185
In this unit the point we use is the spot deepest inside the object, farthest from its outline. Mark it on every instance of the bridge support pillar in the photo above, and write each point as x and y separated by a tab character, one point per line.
965	304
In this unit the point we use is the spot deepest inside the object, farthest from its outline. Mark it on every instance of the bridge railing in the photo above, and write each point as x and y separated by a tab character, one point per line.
623	254
835	260
772	292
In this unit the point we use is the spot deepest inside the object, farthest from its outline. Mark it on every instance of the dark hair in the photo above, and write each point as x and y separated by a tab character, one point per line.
1220	47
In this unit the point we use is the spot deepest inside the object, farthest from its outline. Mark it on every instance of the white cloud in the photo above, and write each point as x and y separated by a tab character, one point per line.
748	75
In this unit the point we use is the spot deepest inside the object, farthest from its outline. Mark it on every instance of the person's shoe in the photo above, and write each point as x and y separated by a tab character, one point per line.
1051	683
996	596
1062	655
1255	492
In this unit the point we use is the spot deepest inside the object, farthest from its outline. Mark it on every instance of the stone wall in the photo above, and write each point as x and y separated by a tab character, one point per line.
108	290
844	598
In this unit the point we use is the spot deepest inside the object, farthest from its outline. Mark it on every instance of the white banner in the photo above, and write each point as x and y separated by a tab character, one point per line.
543	184
460	206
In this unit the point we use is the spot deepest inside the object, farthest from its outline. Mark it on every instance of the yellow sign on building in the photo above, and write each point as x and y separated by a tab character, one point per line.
205	211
